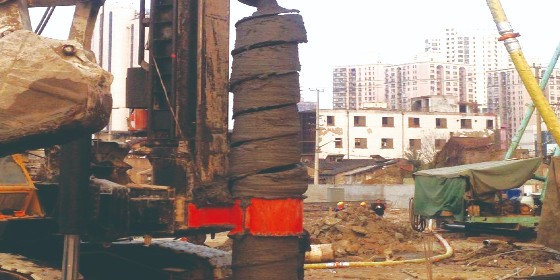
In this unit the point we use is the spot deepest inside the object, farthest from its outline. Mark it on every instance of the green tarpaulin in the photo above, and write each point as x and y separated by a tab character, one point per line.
444	188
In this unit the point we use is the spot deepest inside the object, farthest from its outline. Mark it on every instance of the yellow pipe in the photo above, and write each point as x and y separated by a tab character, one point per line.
531	84
448	253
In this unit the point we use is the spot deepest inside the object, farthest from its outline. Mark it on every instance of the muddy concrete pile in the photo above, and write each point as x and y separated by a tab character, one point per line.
358	234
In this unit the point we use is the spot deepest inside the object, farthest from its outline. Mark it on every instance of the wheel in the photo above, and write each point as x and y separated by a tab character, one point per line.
197	239
417	222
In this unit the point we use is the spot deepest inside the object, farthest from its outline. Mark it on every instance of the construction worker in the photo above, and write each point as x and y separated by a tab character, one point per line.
339	206
378	207
363	205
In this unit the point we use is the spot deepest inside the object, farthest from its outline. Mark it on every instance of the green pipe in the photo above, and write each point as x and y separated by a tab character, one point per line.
545	186
539	178
531	107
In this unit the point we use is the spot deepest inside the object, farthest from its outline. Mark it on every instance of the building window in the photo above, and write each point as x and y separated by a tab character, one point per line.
338	143
330	120
466	123
439	143
413	122
386	143
489	124
441	123
360	143
359	121
414	144
388	122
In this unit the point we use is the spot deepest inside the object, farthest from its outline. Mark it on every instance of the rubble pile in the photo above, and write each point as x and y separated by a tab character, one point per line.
356	232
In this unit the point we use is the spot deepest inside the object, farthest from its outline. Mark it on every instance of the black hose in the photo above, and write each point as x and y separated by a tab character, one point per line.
44	20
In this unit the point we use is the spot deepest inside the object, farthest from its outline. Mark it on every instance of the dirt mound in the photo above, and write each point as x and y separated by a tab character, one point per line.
358	233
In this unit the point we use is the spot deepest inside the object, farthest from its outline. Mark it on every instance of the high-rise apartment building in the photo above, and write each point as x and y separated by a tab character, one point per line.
354	86
480	49
508	98
406	81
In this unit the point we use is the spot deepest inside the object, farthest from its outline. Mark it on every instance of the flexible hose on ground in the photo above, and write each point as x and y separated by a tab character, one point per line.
448	253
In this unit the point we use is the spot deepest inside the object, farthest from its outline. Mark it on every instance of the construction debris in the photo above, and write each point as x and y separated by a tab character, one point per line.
359	233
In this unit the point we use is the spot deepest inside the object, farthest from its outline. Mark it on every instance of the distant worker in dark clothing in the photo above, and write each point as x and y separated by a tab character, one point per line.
378	207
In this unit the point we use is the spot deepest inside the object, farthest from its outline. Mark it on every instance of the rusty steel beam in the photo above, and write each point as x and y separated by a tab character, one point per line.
202	99
83	22
212	90
50	3
14	15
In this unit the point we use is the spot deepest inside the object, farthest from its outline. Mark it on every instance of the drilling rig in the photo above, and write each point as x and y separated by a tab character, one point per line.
54	93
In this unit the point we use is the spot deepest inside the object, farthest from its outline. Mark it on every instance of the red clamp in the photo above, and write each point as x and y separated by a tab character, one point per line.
508	36
261	217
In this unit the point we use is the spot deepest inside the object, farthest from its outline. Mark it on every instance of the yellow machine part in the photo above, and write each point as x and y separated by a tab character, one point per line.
526	74
18	198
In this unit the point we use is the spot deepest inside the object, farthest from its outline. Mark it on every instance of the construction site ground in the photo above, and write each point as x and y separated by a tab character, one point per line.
358	235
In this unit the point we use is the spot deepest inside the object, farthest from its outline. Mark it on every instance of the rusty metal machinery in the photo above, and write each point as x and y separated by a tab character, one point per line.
58	95
186	97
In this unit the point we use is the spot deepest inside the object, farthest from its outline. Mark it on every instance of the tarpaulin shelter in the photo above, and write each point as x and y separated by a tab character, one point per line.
443	189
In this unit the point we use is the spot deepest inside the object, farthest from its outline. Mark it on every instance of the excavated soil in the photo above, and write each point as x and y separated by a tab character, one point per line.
358	234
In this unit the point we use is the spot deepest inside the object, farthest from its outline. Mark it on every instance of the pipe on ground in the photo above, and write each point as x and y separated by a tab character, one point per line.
448	253
489	242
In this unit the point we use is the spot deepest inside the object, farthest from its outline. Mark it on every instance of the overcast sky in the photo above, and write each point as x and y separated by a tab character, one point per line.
343	32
